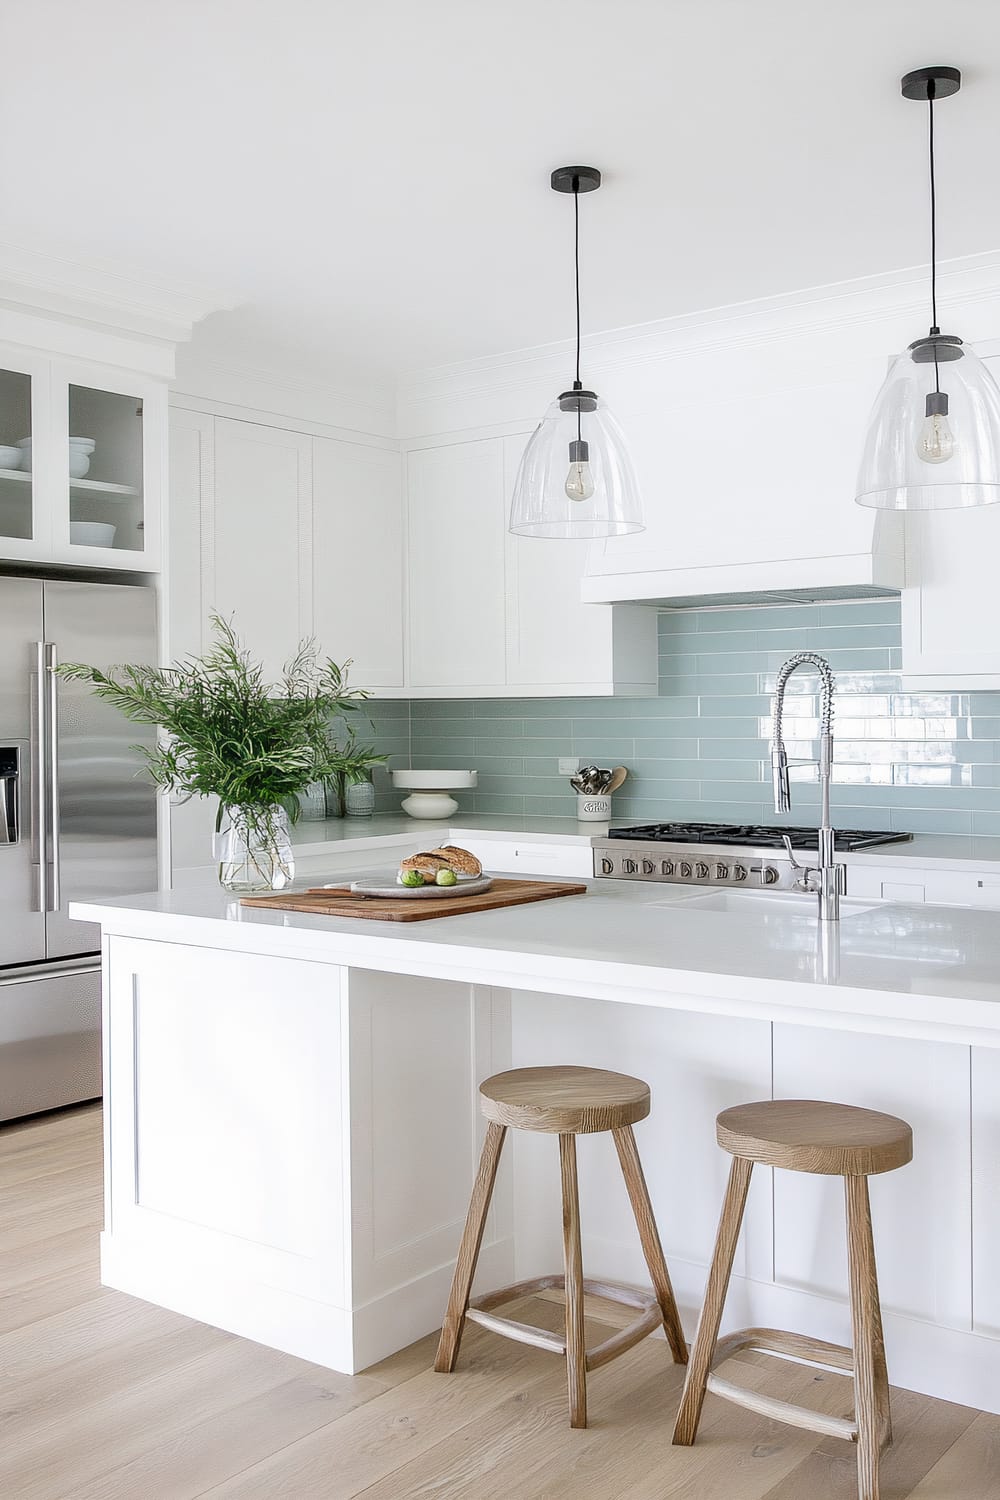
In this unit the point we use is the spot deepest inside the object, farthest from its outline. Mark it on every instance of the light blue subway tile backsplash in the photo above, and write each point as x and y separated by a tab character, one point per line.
927	762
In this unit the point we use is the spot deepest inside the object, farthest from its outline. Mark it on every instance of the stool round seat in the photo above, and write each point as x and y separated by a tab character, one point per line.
564	1100
808	1135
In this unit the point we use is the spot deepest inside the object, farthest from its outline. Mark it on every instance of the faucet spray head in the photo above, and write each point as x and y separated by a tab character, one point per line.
779	777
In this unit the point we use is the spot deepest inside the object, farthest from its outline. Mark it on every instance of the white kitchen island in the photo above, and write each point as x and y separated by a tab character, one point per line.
292	1117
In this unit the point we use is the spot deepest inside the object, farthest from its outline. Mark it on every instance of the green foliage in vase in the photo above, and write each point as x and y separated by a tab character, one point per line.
227	733
356	761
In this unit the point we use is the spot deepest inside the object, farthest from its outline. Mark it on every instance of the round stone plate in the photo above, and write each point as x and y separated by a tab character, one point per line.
385	885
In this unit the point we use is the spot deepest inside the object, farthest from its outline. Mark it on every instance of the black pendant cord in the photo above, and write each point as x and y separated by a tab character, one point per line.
577	384
930	149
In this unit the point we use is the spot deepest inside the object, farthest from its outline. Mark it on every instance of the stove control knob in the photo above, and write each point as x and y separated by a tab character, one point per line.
721	871
739	872
648	867
666	867
684	869
701	870
607	867
769	875
629	866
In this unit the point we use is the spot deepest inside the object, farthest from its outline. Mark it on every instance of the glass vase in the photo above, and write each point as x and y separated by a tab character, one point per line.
359	799
312	802
254	849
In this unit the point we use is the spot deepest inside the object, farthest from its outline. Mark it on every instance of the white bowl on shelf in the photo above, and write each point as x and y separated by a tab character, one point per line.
429	791
92	534
80	449
10	458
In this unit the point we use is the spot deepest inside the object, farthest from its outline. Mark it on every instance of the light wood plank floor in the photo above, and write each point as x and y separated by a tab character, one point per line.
107	1398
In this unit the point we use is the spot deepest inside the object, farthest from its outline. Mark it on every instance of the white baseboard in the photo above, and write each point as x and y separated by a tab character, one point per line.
335	1337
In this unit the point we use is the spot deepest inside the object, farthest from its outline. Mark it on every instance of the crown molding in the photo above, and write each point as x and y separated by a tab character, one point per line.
363	407
878	303
104	295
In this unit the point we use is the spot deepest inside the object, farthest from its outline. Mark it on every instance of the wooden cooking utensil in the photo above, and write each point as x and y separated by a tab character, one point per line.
616	780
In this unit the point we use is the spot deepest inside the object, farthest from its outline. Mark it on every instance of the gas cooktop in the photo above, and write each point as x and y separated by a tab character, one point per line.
751	835
729	854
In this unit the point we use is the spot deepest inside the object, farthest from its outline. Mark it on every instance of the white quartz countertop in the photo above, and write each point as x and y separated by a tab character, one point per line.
913	970
933	851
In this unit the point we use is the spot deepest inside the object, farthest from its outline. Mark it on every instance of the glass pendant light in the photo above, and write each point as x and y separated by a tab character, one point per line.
933	439
576	477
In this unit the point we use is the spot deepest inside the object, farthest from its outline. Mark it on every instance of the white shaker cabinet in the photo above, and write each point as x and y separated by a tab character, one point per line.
950	637
455	567
258	565
292	536
924	1259
499	615
357	560
985	1189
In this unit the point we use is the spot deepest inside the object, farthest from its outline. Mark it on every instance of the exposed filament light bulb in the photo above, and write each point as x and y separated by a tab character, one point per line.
936	443
579	481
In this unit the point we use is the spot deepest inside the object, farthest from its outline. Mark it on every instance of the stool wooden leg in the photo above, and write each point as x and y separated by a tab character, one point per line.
468	1250
693	1398
576	1348
871	1381
635	1181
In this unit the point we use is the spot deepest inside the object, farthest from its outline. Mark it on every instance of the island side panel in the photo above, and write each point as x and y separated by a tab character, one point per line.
227	1171
986	1191
922	1213
418	1051
695	1065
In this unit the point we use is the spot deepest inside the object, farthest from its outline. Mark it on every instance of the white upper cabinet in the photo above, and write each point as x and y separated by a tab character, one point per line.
82	464
258	566
455	546
950	635
291	535
497	615
357	560
747	466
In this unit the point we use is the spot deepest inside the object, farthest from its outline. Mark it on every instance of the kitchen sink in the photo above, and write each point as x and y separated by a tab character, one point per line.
779	903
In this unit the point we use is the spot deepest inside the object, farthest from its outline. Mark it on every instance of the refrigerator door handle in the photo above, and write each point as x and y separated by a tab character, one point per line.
52	730
40	780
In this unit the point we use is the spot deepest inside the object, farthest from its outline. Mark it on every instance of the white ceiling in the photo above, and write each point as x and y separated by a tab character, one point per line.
368	179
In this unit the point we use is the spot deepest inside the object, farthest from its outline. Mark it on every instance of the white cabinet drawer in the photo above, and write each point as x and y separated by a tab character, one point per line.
886	884
937	887
964	887
571	860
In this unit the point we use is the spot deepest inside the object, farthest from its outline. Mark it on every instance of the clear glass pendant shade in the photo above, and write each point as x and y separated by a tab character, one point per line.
576	481
920	457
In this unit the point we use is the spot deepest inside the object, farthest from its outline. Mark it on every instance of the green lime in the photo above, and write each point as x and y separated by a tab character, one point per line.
411	878
446	877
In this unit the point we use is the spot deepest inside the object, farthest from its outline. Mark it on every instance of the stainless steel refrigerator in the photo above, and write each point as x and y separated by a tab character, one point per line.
77	821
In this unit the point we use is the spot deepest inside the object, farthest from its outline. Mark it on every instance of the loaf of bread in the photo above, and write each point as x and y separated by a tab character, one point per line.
448	857
427	864
459	860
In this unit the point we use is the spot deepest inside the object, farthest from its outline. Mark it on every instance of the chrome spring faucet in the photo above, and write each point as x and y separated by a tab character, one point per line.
827	880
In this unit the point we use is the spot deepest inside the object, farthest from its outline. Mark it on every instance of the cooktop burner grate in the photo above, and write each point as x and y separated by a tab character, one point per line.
753	835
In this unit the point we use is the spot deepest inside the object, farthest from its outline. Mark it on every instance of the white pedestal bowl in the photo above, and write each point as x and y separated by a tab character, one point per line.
429	791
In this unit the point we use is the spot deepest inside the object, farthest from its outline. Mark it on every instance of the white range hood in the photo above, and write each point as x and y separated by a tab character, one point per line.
866	574
750	495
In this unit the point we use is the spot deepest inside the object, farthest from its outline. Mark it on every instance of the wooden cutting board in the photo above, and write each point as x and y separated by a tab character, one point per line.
340	902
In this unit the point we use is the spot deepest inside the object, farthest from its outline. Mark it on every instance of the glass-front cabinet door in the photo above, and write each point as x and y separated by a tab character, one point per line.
25	530
105	469
104	433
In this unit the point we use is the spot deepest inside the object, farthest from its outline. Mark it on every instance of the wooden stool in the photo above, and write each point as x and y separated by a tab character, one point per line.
566	1102
803	1135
